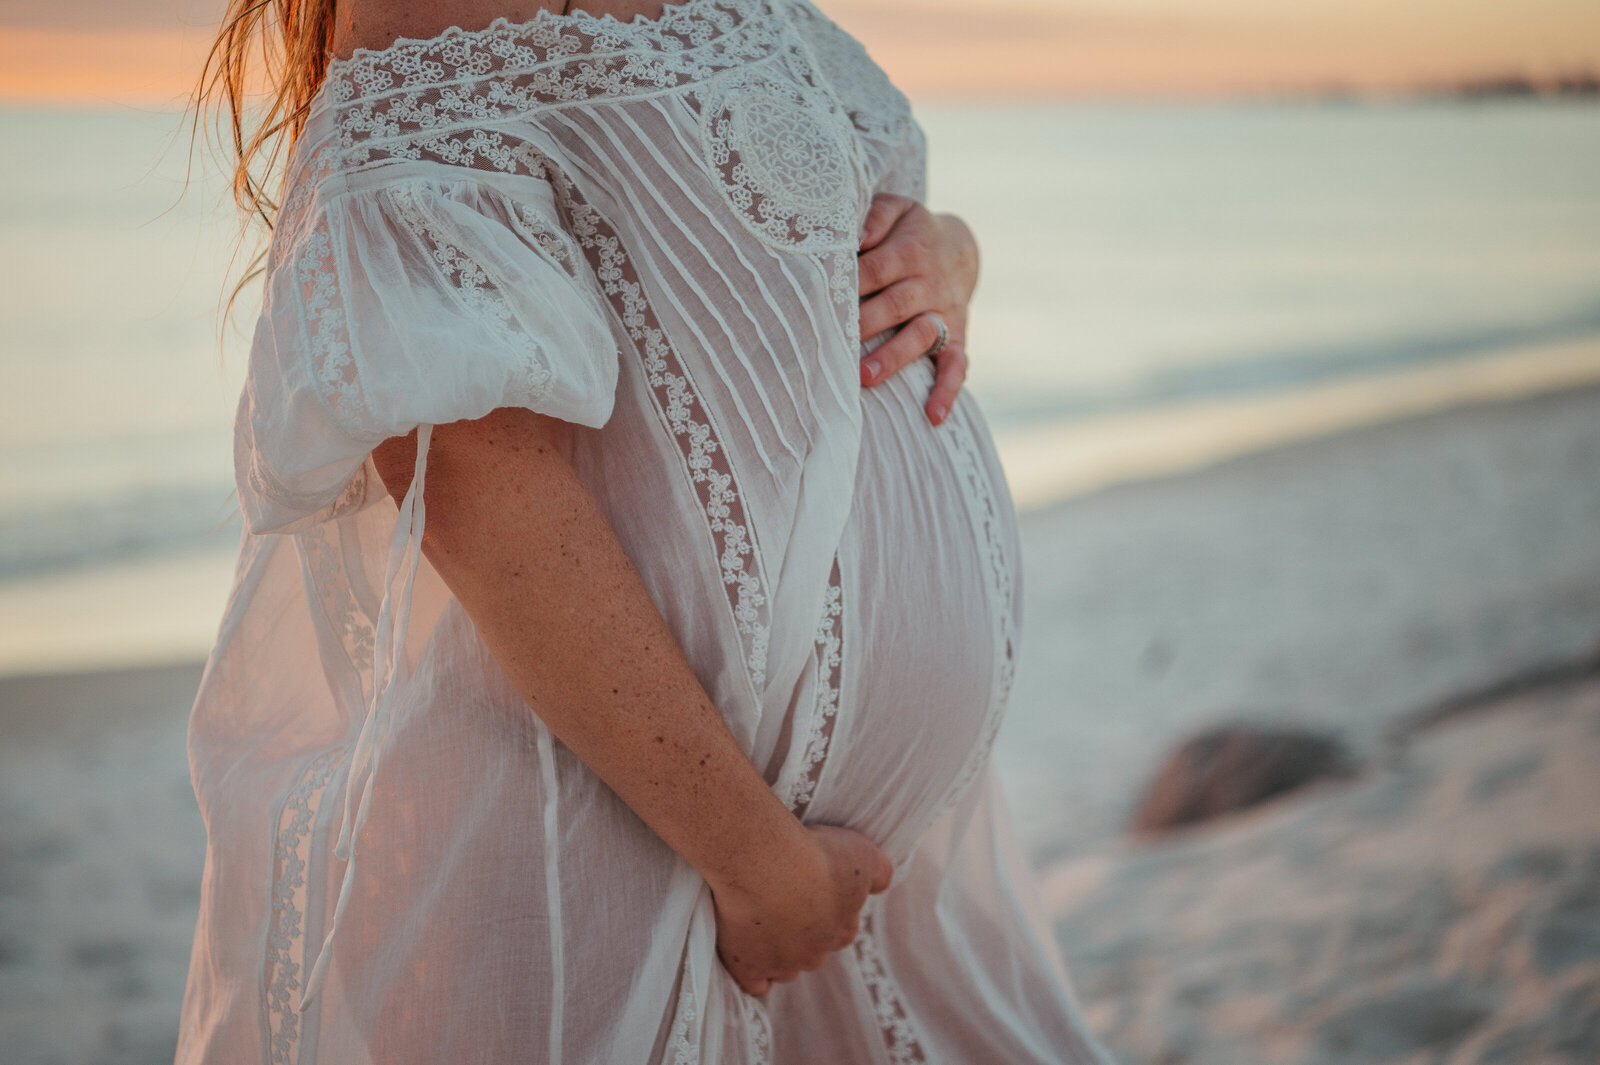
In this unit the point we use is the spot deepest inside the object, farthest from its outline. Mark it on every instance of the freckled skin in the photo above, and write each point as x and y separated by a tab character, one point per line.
511	529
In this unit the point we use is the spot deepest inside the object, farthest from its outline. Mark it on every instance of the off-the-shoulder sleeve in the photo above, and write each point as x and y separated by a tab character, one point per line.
399	303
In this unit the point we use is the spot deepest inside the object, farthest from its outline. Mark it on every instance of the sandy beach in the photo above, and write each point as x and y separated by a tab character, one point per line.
1343	583
100	854
1439	907
1444	907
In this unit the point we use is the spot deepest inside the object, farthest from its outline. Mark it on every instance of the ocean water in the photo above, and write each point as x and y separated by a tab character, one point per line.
1141	254
1135	257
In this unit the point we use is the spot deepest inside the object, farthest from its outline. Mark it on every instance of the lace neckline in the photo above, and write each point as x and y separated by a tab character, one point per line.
670	29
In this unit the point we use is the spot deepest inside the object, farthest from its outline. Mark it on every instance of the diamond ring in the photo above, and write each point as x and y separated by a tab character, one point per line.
944	336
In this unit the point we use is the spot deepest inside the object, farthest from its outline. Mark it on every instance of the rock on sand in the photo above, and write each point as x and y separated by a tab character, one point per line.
1444	908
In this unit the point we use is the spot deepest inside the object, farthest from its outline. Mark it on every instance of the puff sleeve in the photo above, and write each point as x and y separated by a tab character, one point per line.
393	304
400	303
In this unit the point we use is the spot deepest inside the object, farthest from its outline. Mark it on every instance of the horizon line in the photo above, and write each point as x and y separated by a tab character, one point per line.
70	69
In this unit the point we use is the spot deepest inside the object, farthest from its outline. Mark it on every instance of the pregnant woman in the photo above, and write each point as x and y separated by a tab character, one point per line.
609	677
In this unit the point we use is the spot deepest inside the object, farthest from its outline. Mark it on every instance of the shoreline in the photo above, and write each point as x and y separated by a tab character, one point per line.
1054	463
40	662
97	617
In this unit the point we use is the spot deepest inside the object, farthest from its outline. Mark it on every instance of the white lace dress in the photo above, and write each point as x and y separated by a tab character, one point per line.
648	229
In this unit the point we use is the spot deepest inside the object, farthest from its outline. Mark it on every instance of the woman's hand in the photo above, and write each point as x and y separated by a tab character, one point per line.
512	528
915	265
794	911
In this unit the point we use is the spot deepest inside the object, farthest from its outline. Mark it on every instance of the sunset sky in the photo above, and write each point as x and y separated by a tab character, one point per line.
146	53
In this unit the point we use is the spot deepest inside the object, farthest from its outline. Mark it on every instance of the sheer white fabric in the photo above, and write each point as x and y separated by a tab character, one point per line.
647	229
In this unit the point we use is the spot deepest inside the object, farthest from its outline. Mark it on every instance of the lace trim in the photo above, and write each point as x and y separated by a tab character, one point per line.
843	283
327	325
879	112
462	78
899	1033
984	507
404	100
830	660
683	1044
327	332
784	153
678	405
349	623
758	1029
472	284
556	245
422	62
875	107
285	955
784	149
683	1048
668	43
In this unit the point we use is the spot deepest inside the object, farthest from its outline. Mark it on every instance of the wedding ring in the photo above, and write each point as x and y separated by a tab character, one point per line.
944	336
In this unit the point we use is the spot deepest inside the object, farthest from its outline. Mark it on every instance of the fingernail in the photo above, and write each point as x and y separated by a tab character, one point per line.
937	413
869	369
862	239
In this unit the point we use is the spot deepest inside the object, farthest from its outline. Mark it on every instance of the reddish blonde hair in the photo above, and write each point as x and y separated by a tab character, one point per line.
280	46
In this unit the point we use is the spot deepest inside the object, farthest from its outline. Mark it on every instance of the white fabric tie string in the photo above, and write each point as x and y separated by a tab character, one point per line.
405	547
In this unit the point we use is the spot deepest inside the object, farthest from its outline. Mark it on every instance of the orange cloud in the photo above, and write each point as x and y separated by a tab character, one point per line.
141	67
1212	47
67	55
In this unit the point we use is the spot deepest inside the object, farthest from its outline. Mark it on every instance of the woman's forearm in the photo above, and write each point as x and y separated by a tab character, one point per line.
524	547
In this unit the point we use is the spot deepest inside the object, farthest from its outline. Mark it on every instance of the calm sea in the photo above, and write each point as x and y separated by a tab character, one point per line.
1135	255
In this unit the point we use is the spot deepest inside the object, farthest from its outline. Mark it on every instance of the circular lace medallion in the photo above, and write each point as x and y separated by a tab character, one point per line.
787	153
785	163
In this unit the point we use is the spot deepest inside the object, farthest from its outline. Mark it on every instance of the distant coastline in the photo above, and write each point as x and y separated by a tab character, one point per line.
1580	85
1519	85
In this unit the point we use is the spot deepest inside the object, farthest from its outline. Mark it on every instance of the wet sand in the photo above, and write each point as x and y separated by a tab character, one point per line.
100	855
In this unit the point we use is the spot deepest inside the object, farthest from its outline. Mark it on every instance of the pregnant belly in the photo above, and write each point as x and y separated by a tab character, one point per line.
927	617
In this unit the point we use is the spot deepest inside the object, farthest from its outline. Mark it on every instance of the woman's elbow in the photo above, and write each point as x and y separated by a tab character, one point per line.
477	452
396	460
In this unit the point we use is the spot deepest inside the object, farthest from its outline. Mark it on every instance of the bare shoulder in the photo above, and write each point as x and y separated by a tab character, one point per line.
377	23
